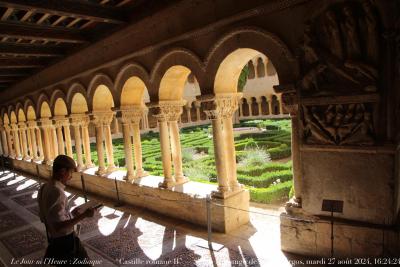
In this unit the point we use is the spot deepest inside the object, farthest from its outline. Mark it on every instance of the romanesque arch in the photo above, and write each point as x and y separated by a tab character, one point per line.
107	90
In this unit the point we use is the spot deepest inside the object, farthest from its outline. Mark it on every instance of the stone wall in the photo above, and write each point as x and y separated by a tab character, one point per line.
364	181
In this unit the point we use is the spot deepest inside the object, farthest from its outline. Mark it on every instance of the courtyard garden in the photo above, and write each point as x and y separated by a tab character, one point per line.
262	154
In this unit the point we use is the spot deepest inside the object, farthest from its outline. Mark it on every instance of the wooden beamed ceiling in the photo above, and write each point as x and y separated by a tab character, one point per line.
36	34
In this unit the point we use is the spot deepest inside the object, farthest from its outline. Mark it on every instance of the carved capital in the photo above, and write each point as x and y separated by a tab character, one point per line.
60	121
290	102
172	110
212	114
46	123
132	114
103	118
32	124
227	104
22	125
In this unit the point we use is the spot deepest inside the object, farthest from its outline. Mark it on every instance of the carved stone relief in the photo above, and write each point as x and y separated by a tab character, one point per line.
340	51
339	124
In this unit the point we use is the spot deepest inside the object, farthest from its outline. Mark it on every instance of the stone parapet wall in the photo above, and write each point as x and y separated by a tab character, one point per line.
363	180
181	202
310	235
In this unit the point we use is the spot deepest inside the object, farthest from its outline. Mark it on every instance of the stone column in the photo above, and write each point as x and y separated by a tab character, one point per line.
169	181
24	143
46	124
219	152
226	105
241	109
11	151
67	135
197	104
137	143
32	126
99	144
76	123
86	141
126	122
108	142
250	103
259	102
280	104
173	110
4	141
39	143
270	105
55	142
189	116
30	147
17	145
1	148
132	115
60	138
292	107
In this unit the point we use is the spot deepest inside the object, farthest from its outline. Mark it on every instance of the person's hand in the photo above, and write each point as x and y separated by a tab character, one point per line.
89	212
76	212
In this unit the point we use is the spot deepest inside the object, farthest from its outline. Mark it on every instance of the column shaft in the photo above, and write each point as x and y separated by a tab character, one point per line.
128	151
25	154
176	152
4	142
68	142
40	143
100	149
30	147
17	144
109	148
86	146
270	105
78	146
60	138
47	159
230	152
166	154
220	160
34	144
297	182
198	113
138	151
55	142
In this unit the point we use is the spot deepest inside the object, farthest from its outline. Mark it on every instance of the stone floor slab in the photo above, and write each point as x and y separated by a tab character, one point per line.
24	242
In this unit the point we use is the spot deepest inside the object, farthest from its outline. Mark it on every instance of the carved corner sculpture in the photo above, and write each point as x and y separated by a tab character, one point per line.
349	124
341	51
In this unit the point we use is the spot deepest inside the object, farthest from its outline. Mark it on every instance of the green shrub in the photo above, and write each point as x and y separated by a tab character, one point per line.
258	170
275	194
187	154
254	156
283	151
266	179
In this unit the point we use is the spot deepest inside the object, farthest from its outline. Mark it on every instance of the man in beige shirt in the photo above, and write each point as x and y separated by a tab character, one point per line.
64	246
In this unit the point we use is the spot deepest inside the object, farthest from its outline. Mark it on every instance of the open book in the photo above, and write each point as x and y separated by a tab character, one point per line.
89	204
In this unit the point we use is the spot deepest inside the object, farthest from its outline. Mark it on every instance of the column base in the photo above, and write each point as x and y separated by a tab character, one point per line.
110	169
100	171
293	203
181	180
90	165
27	158
129	177
80	168
222	194
167	184
141	173
47	162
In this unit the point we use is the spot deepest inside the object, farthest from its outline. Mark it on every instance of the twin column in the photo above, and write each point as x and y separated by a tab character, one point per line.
80	123
170	112
102	121
131	116
224	144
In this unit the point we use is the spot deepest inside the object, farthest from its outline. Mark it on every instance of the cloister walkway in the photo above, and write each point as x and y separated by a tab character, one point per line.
128	236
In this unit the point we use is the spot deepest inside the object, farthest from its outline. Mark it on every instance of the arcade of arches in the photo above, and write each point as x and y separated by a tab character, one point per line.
339	91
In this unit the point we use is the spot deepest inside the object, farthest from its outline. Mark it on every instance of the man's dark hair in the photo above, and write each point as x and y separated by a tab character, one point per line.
62	162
